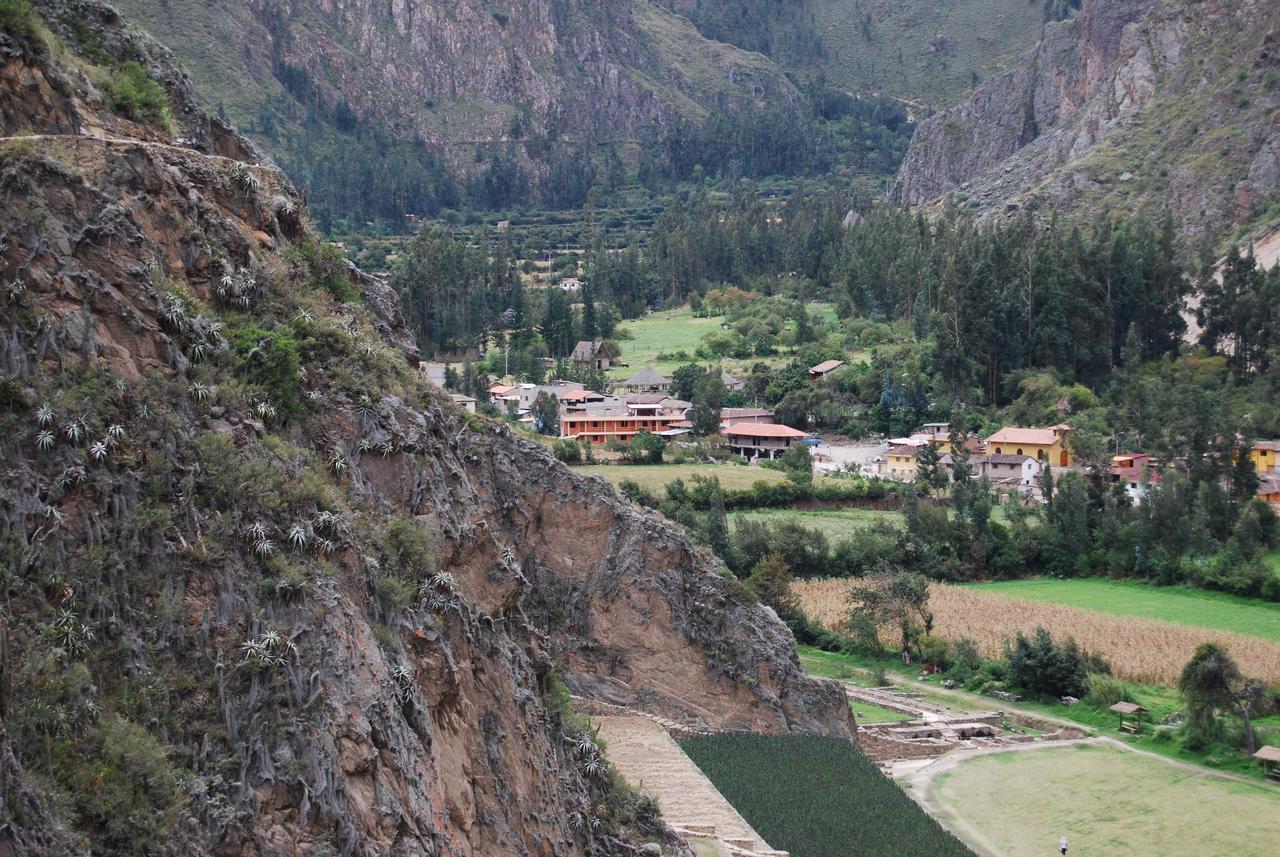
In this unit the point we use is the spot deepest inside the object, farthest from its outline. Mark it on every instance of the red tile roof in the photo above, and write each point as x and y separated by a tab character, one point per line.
763	430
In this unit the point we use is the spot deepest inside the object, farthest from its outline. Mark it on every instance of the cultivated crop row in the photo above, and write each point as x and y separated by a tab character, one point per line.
1141	650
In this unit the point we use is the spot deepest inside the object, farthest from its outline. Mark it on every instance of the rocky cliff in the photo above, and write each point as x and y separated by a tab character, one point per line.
1130	103
459	74
265	590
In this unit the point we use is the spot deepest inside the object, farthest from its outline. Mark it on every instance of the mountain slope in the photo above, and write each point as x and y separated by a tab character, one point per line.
1131	103
459	74
267	591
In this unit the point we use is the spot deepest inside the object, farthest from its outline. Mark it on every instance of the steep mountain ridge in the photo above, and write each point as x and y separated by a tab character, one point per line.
462	74
266	590
1130	103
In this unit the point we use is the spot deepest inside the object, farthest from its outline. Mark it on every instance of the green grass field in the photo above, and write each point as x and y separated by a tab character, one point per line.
661	333
835	524
655	477
1105	801
875	714
1184	605
818	797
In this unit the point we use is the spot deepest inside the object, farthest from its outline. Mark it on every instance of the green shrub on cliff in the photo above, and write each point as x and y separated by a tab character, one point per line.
135	94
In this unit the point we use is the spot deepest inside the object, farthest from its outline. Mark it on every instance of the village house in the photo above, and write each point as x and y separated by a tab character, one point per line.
1047	444
527	393
823	369
1006	469
730	382
1269	488
1135	472
467	403
900	462
602	428
580	401
500	394
732	416
590	355
762	440
1265	456
647	380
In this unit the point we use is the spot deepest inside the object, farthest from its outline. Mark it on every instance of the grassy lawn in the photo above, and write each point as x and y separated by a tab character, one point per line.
818	797
875	714
1105	801
661	333
1181	604
655	477
836	524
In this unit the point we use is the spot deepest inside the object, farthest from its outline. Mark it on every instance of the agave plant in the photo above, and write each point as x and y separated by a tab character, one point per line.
199	392
327	545
98	451
15	290
69	633
365	407
54	515
44	416
387	448
265	411
257	530
304	315
247	179
44	440
338	464
115	432
173	313
268	649
198	351
264	547
75	431
298	536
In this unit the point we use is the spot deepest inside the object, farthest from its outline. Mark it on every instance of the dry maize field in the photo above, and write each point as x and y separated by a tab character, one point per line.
1141	650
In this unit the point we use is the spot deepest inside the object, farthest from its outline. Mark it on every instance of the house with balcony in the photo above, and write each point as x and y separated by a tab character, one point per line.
762	440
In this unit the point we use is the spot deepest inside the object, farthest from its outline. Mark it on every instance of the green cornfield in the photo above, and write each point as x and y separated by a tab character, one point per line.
818	797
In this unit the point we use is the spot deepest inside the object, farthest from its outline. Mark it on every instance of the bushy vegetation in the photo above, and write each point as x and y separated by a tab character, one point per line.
19	22
137	95
818	797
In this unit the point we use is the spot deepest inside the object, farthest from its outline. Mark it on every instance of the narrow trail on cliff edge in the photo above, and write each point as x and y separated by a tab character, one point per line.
138	144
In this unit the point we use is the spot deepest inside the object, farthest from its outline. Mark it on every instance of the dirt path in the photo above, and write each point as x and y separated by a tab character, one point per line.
650	760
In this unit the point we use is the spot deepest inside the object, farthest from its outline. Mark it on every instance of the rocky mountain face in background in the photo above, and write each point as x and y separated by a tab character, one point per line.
1128	104
267	591
462	73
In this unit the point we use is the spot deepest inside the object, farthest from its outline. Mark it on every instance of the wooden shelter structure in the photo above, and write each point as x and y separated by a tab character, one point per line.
1130	716
1270	758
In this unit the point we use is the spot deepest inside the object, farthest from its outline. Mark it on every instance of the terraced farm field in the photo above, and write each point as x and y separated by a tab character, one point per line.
1105	801
1144	650
818	797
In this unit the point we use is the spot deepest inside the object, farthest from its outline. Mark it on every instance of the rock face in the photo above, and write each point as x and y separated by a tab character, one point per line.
1129	103
463	73
267	592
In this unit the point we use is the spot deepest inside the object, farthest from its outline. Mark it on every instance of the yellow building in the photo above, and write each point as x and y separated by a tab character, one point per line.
1048	445
900	463
1265	455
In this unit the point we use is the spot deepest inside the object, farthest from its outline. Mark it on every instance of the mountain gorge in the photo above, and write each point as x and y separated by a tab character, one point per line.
1130	103
266	590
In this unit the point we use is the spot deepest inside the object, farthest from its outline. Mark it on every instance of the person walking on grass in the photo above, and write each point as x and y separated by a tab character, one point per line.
1062	846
